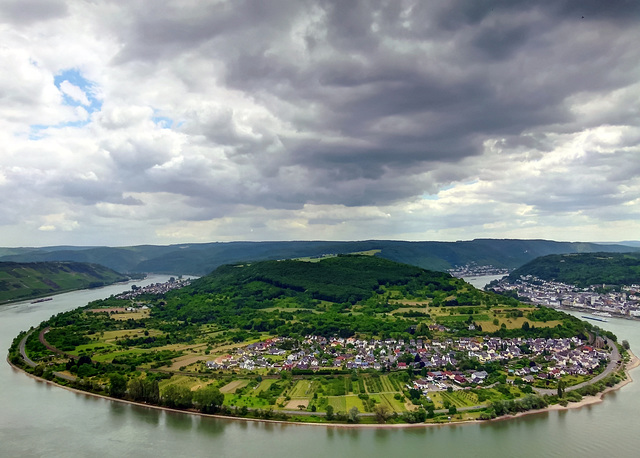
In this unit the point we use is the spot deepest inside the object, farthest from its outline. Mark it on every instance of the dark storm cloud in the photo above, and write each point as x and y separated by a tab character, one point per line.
378	95
373	101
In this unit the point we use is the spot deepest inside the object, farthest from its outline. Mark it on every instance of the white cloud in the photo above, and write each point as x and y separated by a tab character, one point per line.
241	120
74	92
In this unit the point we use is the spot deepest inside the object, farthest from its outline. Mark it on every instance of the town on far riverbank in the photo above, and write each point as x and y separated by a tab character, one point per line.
602	301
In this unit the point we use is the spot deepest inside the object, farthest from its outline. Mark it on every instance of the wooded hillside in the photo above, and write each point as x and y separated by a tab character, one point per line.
21	281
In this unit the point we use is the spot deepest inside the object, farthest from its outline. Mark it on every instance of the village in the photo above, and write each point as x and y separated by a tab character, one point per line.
436	361
154	288
475	270
625	302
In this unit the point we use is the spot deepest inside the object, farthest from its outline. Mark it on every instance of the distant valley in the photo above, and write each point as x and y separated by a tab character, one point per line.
201	259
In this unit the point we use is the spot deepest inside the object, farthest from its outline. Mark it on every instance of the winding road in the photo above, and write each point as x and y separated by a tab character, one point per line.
23	351
614	363
31	363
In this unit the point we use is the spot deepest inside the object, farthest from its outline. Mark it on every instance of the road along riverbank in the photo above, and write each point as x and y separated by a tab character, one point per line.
633	363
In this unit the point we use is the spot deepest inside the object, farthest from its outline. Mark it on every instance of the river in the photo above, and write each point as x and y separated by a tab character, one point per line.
482	280
38	419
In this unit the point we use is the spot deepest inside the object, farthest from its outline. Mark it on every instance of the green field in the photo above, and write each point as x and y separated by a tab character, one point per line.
388	400
339	403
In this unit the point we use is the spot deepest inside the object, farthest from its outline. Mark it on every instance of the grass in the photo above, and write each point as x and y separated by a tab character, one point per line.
339	403
303	389
515	323
443	319
354	401
193	383
231	387
177	380
111	337
458	398
391	402
387	385
185	361
241	401
263	386
453	399
107	357
138	315
100	347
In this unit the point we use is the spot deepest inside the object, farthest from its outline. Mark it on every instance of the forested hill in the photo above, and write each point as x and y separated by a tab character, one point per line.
201	259
21	281
317	297
585	269
339	279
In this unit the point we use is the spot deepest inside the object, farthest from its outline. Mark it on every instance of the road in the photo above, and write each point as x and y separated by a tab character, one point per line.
614	363
31	363
23	351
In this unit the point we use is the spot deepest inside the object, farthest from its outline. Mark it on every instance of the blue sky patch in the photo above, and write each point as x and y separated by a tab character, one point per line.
85	97
163	122
74	77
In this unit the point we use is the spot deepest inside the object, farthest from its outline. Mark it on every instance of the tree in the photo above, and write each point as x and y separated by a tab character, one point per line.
414	395
382	413
151	390
329	412
561	386
208	399
135	388
353	415
117	385
177	396
625	344
84	359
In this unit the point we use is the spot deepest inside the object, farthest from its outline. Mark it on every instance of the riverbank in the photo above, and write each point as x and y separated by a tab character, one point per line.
587	400
49	296
633	363
590	311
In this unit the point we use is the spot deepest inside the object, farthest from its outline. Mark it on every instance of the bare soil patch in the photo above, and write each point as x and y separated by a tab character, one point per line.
185	361
294	403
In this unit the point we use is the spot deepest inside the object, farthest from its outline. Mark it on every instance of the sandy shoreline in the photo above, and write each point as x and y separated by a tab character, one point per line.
586	401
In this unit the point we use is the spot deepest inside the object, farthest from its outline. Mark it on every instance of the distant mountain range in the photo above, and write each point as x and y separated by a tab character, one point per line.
202	258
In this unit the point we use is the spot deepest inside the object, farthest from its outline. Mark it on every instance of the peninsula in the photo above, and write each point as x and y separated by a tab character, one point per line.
344	339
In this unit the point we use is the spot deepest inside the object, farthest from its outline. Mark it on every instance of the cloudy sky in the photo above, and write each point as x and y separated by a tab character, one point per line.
189	121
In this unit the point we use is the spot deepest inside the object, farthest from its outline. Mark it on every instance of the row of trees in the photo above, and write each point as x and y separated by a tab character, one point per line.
208	399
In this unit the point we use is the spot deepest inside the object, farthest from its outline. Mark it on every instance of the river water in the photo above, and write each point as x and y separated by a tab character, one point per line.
37	419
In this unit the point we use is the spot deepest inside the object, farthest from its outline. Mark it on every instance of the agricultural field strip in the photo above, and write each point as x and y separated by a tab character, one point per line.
231	387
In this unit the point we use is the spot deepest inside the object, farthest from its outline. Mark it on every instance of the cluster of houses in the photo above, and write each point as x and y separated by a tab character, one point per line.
474	270
554	294
560	356
154	288
441	380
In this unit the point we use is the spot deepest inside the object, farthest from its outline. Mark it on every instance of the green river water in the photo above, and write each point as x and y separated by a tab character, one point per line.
37	419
